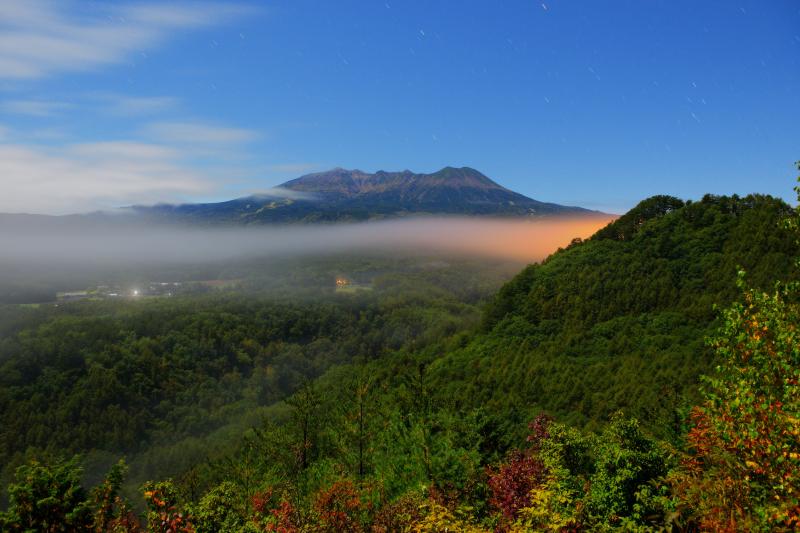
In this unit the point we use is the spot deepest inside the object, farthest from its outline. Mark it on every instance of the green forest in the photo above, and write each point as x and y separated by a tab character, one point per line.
644	379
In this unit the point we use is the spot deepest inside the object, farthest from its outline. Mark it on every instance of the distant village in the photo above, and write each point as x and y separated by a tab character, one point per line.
346	285
164	289
167	289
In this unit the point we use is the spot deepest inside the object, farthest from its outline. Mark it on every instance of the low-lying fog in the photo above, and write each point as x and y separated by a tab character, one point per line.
108	244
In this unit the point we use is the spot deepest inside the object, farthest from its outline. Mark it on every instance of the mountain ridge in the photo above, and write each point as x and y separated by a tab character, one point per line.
338	195
352	195
359	182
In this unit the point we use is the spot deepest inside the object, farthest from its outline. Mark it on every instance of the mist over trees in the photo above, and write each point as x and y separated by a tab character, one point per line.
571	399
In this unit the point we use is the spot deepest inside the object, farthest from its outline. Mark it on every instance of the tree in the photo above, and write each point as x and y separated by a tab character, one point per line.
111	511
163	513
356	431
48	497
340	509
305	404
511	482
222	509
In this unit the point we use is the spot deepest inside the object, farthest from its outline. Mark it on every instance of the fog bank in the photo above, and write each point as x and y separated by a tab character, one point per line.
523	240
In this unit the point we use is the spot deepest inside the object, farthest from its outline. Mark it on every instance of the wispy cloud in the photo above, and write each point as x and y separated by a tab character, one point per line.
53	171
48	134
135	105
123	150
280	192
89	176
199	133
39	37
36	108
293	169
96	102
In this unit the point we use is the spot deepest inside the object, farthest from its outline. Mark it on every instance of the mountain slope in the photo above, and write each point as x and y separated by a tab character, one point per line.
619	321
341	194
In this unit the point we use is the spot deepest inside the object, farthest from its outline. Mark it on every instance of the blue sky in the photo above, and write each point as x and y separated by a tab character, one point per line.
597	104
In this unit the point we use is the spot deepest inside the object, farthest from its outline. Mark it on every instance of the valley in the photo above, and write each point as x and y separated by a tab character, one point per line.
256	383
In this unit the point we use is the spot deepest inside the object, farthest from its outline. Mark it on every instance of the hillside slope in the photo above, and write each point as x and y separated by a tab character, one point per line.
619	321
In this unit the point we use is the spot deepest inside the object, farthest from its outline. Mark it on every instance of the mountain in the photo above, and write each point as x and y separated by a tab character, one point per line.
450	189
350	195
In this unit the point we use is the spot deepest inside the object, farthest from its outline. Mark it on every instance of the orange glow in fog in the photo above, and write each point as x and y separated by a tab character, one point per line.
523	240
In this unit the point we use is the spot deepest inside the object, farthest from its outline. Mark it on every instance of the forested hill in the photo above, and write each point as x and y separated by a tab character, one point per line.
662	254
619	321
